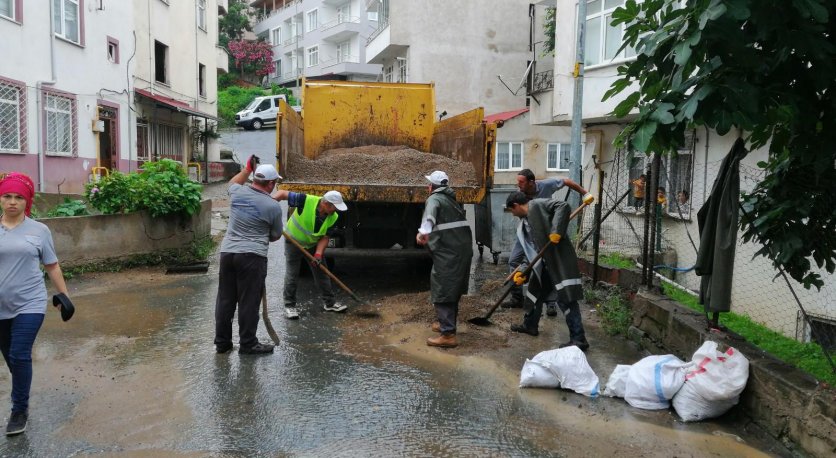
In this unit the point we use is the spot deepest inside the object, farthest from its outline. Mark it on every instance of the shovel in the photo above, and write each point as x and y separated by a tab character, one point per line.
485	320
266	318
368	311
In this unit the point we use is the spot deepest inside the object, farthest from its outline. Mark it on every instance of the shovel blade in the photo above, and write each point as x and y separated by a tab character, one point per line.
480	321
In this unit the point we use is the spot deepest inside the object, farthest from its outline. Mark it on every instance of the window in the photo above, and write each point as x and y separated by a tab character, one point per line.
509	156
313	56
263	106
402	70
201	79
66	19
558	156
9	9
387	73
201	14
602	39
167	141
313	21
676	174
113	50
60	124
12	116
344	13
277	70
160	62
344	52
372	15
276	36
294	64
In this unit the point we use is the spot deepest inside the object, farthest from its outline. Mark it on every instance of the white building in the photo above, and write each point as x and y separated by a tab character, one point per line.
57	77
82	93
461	46
323	39
756	292
174	69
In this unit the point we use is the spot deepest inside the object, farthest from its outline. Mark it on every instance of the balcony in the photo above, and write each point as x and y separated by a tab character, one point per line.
348	65
292	41
340	29
543	81
380	46
222	59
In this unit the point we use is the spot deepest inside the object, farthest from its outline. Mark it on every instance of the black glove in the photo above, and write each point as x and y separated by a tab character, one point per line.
67	307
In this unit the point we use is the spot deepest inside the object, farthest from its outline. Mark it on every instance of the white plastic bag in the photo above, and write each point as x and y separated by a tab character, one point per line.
567	366
653	381
617	383
714	385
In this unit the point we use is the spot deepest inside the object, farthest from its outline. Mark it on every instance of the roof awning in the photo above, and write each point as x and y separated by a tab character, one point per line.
174	104
505	115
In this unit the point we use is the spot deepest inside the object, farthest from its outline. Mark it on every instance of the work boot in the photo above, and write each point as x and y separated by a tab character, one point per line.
512	304
436	327
291	313
551	309
17	423
581	343
257	349
443	341
336	307
223	348
524	330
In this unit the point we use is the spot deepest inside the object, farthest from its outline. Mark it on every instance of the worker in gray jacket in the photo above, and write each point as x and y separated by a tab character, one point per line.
556	277
445	230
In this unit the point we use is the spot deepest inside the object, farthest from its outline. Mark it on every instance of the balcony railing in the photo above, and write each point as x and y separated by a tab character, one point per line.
381	26
341	60
293	40
543	81
338	21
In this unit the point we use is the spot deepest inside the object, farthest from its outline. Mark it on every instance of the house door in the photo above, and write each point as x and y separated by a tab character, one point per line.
109	138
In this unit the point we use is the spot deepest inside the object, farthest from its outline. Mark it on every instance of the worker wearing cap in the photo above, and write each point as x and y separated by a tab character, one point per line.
310	220
255	220
538	189
544	222
445	230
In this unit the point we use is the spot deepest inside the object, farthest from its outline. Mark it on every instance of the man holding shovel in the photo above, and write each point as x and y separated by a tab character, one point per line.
556	277
255	220
309	223
445	230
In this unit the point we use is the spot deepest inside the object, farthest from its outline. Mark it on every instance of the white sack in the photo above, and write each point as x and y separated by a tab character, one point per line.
617	383
714	384
568	366
653	381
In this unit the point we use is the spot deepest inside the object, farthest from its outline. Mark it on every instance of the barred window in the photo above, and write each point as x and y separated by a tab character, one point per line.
12	117
60	124
168	141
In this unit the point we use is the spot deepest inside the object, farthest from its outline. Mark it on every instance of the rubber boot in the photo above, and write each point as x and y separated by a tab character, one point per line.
577	336
443	341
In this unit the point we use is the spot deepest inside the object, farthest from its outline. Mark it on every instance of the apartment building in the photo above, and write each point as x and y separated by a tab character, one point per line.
693	169
64	90
316	39
174	70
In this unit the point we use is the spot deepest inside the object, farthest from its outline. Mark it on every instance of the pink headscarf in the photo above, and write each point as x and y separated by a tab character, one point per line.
19	183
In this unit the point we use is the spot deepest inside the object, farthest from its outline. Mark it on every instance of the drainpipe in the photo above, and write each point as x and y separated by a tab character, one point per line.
38	102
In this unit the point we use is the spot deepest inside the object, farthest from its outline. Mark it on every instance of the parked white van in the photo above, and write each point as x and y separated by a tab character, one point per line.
260	112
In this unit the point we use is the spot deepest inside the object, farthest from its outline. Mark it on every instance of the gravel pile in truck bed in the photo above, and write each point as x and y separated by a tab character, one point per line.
376	164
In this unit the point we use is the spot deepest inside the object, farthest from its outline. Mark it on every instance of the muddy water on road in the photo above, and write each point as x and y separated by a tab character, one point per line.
135	372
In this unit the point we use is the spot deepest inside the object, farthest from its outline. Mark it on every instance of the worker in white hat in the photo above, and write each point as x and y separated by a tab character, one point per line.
444	229
311	220
255	220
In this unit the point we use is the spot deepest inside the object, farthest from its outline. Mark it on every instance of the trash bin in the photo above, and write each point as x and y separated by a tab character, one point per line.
495	228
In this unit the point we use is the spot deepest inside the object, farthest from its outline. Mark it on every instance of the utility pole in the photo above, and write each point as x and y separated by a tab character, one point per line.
575	172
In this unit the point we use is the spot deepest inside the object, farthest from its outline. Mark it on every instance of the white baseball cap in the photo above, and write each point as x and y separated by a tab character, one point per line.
337	199
438	178
266	172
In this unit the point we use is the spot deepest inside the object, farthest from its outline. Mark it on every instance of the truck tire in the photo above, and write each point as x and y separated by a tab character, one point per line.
256	124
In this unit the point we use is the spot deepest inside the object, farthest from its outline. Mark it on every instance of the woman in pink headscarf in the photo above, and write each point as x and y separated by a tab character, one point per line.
25	244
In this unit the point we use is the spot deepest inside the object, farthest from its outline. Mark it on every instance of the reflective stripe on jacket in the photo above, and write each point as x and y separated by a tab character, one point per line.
301	227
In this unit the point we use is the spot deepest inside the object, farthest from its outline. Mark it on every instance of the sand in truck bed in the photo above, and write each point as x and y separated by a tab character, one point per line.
376	164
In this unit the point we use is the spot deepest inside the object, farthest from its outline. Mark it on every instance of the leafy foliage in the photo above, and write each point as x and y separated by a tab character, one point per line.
252	57
70	207
162	188
233	99
233	24
766	68
549	30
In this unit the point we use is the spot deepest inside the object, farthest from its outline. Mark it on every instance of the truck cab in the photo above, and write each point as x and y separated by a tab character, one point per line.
260	112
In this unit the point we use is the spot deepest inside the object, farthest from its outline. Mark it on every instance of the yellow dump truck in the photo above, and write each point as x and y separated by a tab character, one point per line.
340	114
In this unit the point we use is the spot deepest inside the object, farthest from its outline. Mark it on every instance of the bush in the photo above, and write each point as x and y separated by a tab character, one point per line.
162	188
68	208
233	99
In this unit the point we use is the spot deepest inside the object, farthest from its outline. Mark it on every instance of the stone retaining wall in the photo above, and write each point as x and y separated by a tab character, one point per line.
84	239
786	402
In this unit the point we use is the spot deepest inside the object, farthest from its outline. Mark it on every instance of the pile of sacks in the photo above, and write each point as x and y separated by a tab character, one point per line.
706	387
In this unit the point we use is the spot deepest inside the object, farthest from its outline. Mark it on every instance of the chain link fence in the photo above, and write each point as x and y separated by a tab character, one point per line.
759	291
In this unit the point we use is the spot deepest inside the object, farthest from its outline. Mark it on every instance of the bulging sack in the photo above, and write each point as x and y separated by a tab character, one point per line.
617	383
565	366
714	384
653	381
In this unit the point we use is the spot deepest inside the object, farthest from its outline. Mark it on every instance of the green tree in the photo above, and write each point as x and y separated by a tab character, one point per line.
233	24
549	30
766	68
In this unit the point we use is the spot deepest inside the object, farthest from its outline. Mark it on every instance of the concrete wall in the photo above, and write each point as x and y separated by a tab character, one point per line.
84	239
535	141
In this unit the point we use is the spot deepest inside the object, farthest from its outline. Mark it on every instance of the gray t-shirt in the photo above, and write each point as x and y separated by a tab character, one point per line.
254	219
547	187
22	251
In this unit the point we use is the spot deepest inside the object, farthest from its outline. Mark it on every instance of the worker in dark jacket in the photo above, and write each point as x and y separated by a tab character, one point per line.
445	230
556	277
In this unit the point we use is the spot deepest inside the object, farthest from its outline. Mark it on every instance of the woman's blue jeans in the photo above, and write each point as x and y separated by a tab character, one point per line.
17	336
